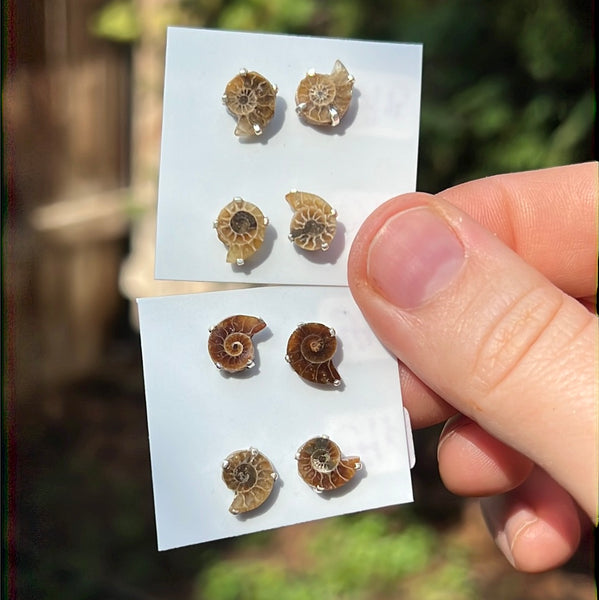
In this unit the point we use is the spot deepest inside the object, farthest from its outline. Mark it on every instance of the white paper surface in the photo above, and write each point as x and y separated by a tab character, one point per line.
197	415
370	157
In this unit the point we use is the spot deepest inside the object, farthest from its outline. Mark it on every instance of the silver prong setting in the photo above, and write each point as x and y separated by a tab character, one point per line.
334	114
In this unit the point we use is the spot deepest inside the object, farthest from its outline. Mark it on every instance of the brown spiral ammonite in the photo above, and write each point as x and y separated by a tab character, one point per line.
230	342
251	99
314	221
241	227
310	350
321	465
251	476
324	99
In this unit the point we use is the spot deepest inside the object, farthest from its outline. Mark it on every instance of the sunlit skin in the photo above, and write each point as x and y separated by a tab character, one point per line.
502	344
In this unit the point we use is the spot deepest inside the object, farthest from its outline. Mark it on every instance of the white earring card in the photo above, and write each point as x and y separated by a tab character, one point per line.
369	157
198	414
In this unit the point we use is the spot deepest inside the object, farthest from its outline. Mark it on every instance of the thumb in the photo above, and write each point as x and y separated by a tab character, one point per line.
486	331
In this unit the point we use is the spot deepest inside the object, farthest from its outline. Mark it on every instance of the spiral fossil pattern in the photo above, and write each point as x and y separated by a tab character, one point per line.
321	465
310	350
230	342
314	221
251	99
241	227
251	476
323	99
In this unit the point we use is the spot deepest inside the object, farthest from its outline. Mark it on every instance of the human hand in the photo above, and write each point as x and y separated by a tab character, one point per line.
486	294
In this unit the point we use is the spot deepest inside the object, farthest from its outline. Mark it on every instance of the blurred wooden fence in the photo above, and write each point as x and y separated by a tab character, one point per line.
67	99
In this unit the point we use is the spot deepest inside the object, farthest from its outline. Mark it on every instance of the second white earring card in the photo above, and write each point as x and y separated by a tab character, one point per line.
293	437
251	118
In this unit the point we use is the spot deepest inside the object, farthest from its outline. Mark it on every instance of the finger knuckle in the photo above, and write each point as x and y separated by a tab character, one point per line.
513	344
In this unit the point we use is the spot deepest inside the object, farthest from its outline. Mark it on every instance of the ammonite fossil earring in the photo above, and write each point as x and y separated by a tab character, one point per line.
314	221
230	342
321	465
241	227
324	99
251	476
251	99
310	350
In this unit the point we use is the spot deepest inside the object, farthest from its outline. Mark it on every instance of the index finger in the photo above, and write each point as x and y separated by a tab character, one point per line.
549	217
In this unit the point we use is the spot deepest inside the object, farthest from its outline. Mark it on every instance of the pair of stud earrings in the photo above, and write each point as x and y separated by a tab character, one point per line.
310	348
241	225
321	99
252	476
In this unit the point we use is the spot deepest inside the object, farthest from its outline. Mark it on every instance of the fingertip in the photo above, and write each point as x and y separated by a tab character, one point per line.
474	463
533	544
537	544
536	526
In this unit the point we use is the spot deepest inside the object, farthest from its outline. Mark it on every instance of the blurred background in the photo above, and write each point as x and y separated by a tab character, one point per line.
506	86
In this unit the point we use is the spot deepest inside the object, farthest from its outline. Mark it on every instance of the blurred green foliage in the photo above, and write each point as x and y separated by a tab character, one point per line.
351	558
117	21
